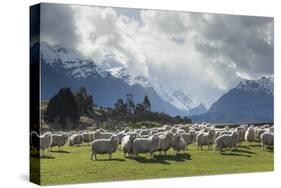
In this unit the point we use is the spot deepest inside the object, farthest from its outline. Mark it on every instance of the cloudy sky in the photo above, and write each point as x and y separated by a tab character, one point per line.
202	54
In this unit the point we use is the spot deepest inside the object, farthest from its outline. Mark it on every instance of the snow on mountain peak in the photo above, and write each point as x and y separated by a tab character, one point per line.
265	84
79	67
75	65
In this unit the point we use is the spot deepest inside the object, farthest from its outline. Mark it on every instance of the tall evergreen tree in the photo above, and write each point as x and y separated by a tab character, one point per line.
146	103
120	107
130	103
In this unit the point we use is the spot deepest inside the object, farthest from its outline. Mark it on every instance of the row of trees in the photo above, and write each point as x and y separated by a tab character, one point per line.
65	109
129	107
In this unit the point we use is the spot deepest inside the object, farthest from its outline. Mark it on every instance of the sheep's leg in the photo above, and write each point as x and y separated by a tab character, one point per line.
92	156
95	156
59	148
110	156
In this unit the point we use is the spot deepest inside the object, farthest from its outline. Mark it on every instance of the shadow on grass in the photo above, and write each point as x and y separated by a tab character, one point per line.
113	159
255	145
269	149
151	160
245	147
235	154
47	157
180	157
59	151
163	159
244	151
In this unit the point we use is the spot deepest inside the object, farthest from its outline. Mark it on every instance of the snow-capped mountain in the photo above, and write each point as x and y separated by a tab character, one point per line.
69	60
175	97
263	85
249	102
61	67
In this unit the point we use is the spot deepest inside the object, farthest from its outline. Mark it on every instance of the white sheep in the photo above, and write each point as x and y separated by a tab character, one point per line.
104	146
121	135
146	145
250	134
75	139
178	143
101	135
59	140
165	142
206	139
227	141
87	137
241	133
259	132
188	138
144	132
45	141
127	144
267	139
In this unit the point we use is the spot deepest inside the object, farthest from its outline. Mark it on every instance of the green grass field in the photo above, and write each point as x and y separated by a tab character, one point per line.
73	164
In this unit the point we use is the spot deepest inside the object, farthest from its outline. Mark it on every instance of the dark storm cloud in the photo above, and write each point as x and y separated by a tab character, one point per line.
57	25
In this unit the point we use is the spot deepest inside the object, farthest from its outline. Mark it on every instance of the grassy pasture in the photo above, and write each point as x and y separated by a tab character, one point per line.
73	164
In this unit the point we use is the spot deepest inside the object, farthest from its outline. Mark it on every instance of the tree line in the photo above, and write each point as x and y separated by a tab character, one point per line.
65	108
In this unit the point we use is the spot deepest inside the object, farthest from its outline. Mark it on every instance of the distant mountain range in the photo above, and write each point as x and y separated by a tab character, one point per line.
61	67
250	101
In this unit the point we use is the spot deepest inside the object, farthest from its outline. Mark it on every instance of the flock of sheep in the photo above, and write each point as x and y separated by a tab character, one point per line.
161	139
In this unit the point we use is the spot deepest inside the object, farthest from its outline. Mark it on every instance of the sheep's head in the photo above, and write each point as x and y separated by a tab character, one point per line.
114	139
155	139
132	136
127	129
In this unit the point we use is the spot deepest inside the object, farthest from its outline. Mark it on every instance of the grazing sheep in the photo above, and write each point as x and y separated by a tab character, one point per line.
188	138
185	128
87	137
161	129
75	139
178	143
127	129
59	140
206	139
101	135
146	145
45	141
226	128
227	141
144	132
165	142
174	130
223	132
127	144
258	134
120	136
241	132
103	146
267	139
250	134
